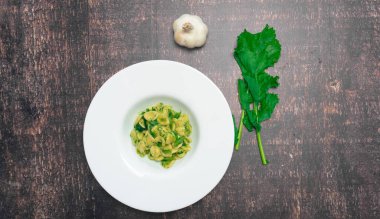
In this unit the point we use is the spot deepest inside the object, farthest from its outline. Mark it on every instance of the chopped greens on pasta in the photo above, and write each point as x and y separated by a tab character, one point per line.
162	133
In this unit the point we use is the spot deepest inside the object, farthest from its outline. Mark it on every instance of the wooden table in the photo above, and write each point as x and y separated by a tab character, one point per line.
323	140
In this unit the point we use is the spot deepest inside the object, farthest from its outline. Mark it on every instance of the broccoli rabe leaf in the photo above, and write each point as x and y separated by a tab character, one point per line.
255	53
267	107
260	84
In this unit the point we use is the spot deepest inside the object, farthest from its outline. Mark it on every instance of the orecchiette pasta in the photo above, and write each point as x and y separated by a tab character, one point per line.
162	134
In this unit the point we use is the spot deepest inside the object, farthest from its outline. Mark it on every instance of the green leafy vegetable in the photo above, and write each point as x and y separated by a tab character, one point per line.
139	128
177	115
178	141
255	53
153	123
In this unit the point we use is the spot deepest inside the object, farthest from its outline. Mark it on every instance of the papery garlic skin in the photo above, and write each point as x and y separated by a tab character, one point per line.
190	31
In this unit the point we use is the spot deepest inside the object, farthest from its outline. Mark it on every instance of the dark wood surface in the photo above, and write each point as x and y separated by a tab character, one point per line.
323	140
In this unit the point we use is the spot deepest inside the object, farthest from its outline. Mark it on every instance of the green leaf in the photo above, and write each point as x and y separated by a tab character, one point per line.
267	106
253	119
139	128
153	123
256	52
178	141
168	159
260	84
247	123
177	115
245	96
170	114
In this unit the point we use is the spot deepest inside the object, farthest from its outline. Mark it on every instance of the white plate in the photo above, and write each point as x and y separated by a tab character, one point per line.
139	182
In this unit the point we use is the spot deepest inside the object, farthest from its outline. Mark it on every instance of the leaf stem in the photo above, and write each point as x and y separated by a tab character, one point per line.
259	143
262	154
237	145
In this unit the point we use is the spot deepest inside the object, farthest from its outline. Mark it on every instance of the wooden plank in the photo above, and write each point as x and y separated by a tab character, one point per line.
323	140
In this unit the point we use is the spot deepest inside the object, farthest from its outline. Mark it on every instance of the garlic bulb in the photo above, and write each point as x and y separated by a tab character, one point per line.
190	31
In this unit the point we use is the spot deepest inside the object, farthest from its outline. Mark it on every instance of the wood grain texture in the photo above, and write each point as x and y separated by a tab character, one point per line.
323	140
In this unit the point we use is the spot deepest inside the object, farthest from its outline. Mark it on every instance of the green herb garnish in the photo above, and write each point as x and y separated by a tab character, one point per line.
254	54
139	127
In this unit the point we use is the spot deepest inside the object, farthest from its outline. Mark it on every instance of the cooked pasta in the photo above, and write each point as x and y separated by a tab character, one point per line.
162	134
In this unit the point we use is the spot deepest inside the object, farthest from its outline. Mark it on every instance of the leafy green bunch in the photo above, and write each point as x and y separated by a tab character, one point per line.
255	53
